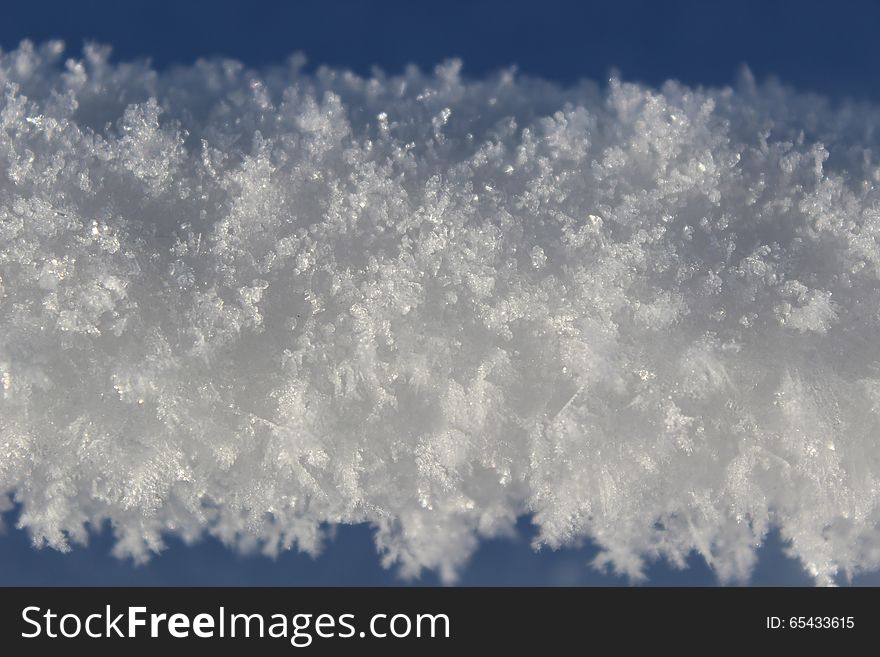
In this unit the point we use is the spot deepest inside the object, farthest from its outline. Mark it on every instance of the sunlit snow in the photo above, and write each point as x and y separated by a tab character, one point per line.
256	304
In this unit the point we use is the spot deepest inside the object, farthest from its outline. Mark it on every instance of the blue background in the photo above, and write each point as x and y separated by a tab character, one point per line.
826	47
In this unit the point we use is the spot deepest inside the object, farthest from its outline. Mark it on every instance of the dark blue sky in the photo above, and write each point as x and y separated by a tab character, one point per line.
824	46
350	559
829	47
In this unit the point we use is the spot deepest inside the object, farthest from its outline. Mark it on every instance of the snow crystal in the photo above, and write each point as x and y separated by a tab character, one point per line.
255	304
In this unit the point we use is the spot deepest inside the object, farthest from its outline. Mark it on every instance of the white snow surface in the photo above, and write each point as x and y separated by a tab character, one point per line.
257	304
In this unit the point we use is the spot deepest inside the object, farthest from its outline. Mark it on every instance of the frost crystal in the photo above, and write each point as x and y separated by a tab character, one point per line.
256	304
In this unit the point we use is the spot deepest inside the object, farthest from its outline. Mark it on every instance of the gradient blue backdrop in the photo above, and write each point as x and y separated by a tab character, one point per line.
821	46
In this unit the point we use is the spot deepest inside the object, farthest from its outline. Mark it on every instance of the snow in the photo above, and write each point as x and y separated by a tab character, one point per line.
257	304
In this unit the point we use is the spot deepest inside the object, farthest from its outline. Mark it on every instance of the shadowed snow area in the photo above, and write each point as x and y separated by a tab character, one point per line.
256	304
